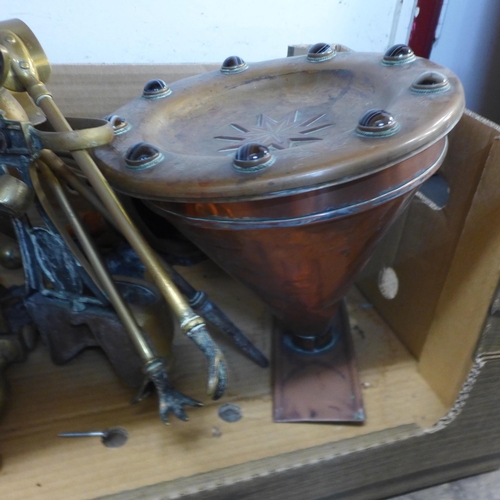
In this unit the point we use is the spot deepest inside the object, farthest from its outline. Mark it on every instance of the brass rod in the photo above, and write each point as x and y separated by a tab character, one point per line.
62	170
191	323
187	318
63	233
122	310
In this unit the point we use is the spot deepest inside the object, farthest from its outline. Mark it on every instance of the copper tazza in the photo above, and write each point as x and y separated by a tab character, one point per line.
296	224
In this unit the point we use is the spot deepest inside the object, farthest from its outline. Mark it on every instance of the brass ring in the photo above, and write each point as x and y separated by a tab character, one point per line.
88	133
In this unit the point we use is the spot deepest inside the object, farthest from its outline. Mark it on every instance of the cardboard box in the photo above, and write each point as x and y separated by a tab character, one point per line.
431	406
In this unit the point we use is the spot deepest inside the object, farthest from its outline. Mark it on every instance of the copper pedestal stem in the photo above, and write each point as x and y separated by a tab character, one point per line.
322	386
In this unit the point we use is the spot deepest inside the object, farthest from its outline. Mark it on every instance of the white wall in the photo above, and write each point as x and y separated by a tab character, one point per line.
163	31
469	43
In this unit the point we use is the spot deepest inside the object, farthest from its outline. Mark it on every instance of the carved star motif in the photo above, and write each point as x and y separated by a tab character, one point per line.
290	131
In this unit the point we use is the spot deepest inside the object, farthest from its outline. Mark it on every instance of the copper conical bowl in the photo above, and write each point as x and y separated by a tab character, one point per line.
287	172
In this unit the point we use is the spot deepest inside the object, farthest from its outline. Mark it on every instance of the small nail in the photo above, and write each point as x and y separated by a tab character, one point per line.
114	437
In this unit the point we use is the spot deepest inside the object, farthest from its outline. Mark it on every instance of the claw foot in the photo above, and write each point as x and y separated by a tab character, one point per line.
217	371
170	400
212	313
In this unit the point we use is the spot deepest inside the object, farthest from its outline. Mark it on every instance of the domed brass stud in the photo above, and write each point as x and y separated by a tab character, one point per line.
320	52
156	89
430	81
252	156
377	123
119	124
142	155
10	254
398	54
233	64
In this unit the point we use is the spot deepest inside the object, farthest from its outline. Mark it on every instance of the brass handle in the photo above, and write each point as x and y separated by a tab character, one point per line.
86	133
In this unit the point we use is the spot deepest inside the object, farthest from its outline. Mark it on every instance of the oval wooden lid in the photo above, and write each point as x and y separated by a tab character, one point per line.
306	113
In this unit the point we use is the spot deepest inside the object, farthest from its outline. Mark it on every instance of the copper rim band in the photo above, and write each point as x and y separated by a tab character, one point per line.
343	211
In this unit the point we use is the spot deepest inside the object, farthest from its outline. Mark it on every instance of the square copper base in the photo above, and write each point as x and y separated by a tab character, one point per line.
317	387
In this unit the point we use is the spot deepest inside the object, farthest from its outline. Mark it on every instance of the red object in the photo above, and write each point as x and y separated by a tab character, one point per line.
423	31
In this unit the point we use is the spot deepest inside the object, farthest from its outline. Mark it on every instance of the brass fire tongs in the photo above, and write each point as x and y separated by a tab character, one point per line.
24	68
197	299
